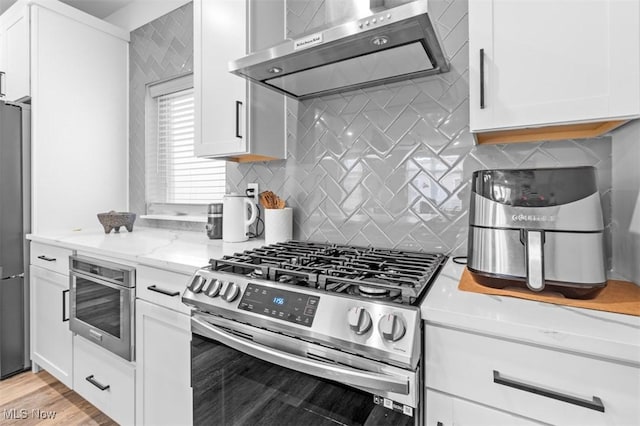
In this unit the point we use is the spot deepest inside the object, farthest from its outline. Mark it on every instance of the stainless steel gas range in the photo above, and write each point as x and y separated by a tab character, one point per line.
309	333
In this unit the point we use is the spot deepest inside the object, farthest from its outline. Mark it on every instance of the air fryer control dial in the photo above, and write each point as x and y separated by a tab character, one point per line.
359	319
391	327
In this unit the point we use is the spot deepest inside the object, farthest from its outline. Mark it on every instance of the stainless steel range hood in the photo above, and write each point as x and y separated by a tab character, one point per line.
382	45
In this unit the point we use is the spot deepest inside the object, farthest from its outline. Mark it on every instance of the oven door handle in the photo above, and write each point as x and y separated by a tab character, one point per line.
370	380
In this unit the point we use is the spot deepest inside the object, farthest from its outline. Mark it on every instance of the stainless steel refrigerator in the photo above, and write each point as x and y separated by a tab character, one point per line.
14	224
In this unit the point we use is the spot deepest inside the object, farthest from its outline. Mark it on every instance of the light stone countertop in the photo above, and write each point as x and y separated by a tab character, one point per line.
602	334
178	251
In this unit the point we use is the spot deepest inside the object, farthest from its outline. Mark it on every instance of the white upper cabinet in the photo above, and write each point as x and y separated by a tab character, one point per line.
551	63
224	102
220	96
79	138
14	53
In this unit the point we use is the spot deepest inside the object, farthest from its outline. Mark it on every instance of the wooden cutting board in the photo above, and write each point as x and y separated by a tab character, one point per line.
621	297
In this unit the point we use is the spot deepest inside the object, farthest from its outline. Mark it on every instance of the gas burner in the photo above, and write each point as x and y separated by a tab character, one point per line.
256	273
373	293
374	290
375	274
293	280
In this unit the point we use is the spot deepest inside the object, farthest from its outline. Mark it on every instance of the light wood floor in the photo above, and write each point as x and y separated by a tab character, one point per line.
27	396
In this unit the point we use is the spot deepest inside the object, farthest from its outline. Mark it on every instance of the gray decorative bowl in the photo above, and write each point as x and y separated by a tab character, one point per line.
114	220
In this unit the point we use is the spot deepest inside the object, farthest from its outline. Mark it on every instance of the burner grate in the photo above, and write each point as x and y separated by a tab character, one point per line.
373	273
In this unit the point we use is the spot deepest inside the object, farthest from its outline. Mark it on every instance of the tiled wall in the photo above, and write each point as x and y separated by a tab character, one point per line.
158	50
387	166
390	166
625	221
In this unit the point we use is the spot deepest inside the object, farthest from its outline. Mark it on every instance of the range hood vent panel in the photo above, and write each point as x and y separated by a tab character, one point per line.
392	45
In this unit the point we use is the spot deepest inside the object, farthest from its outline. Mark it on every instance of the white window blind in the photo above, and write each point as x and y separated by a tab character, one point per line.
174	174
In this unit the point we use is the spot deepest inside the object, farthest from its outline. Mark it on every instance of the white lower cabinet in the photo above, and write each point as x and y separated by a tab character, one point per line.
529	381
163	370
51	340
105	380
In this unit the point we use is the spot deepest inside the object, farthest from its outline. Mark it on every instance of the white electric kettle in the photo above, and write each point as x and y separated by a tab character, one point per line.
235	223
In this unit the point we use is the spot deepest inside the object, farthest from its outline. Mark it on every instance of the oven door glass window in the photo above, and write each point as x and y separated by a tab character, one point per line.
99	306
232	388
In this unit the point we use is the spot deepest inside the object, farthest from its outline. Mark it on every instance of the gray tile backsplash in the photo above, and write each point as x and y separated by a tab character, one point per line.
390	166
158	50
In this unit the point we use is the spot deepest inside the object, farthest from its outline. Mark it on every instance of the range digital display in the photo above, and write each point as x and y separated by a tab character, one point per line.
284	305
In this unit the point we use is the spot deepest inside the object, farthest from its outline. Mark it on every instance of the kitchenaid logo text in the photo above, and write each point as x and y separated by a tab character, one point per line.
533	218
312	40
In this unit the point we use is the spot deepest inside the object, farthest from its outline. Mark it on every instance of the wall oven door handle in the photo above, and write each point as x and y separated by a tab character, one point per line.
359	378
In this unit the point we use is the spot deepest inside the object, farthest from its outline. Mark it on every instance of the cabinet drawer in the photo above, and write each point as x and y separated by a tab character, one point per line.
445	410
531	381
162	287
105	380
50	257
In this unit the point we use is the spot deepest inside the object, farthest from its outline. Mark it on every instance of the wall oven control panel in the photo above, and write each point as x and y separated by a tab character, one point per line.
285	305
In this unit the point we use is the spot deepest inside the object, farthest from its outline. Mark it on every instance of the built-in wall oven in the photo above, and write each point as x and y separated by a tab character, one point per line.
102	297
305	333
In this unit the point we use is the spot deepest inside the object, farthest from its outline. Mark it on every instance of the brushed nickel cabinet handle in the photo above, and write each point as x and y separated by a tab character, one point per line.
2	94
163	291
97	384
593	404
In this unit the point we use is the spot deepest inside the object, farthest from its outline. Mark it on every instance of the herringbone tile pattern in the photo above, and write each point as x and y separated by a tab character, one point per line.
390	166
158	50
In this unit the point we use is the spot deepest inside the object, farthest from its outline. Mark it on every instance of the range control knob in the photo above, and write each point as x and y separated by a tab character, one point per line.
196	284
213	289
391	327
207	284
230	292
359	319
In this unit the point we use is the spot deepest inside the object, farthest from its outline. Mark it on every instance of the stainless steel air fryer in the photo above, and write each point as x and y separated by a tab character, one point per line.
541	228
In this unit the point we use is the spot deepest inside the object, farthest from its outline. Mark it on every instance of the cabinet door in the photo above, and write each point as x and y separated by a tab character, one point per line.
220	97
105	380
553	62
80	94
51	340
549	385
163	366
445	410
14	42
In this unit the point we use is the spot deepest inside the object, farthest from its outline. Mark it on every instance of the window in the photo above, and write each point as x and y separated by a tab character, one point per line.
177	182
